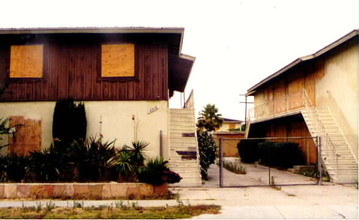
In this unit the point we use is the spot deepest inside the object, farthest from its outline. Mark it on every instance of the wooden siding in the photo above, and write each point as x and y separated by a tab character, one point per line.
72	70
293	127
288	93
282	128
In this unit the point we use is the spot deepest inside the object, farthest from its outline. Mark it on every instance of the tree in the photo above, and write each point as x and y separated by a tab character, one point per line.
209	119
207	152
69	121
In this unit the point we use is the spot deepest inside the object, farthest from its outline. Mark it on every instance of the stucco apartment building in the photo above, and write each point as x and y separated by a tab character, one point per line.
124	76
315	95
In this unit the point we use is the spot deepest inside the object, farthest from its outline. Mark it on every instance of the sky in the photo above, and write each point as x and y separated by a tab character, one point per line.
236	43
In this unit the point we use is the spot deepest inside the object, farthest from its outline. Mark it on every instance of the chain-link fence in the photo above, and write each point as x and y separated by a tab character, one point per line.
270	161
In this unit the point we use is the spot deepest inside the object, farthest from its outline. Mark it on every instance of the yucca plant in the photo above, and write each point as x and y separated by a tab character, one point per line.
137	151
15	167
156	172
124	165
93	156
128	160
44	166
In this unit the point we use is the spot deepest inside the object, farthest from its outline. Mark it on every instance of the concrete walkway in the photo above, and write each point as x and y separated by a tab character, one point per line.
289	202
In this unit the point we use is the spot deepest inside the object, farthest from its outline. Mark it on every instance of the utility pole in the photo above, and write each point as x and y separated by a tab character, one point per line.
245	107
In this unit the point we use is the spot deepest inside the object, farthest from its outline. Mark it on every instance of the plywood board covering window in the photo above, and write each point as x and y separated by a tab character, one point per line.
26	61
27	136
118	60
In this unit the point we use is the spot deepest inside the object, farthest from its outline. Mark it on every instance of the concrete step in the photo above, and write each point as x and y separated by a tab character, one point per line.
182	123
320	122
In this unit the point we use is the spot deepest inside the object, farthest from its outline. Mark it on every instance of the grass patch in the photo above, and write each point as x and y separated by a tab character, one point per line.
113	212
234	167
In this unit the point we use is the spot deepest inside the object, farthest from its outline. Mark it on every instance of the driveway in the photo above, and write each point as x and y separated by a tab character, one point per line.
257	175
327	201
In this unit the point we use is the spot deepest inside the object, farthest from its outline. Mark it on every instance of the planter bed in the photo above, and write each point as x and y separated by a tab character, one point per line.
92	191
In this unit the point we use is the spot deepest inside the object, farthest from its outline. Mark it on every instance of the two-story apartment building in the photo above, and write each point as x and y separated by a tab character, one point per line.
315	95
124	76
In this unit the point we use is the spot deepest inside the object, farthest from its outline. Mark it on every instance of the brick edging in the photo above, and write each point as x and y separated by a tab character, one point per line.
93	191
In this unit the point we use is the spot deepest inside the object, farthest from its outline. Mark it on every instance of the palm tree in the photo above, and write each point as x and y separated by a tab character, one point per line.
209	118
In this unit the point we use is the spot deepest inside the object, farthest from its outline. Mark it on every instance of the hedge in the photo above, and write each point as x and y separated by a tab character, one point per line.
247	150
280	154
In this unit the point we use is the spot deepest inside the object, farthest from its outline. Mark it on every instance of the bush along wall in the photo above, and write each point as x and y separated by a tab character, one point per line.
280	154
248	150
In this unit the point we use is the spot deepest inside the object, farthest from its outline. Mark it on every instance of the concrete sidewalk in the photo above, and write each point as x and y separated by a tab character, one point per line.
290	202
327	201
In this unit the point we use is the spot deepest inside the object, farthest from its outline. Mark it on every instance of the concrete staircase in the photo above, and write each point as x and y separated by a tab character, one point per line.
337	156
183	153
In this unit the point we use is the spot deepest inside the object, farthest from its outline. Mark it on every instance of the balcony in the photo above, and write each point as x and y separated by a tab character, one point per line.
288	104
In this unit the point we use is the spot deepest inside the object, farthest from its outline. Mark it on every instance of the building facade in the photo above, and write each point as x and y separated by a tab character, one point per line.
315	96
124	76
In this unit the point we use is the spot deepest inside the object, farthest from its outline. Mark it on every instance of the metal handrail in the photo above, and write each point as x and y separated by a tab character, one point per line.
329	144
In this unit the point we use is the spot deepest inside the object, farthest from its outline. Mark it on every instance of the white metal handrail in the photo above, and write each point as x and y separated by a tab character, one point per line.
319	127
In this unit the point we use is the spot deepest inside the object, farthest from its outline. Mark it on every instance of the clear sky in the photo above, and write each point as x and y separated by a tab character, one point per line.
236	43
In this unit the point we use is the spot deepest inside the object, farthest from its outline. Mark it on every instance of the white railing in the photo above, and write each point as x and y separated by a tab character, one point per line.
320	130
189	104
294	102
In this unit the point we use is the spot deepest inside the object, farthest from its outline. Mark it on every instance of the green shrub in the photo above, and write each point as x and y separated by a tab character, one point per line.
280	154
207	152
234	167
248	150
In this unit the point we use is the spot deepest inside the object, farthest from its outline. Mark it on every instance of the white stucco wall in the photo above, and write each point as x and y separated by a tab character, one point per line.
338	90
123	121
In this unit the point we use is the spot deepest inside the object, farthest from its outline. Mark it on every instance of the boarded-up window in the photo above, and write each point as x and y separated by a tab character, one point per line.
26	61
231	126
118	60
27	136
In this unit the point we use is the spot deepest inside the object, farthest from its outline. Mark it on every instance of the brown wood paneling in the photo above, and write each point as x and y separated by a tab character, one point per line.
309	85
71	70
279	97
306	143
295	93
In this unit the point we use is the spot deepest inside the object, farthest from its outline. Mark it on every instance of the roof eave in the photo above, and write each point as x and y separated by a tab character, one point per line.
296	62
174	30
